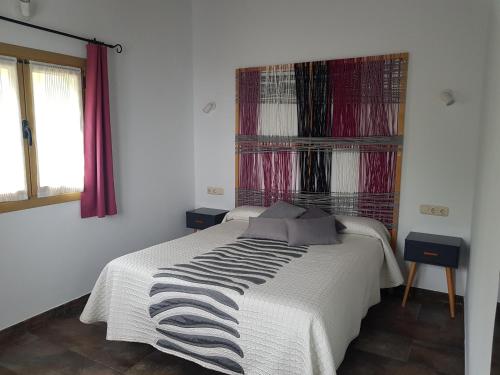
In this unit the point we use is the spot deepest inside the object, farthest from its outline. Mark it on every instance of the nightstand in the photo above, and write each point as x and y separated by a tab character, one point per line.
203	218
437	250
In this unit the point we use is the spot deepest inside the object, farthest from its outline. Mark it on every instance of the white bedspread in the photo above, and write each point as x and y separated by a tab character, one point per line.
299	322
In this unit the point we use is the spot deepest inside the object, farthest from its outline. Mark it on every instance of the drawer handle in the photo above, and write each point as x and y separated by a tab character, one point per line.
198	221
430	254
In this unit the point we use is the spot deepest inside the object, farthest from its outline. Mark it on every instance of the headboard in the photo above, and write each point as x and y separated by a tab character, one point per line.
323	133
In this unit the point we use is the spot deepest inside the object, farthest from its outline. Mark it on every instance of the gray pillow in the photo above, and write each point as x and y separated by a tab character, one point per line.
266	228
283	210
315	213
320	231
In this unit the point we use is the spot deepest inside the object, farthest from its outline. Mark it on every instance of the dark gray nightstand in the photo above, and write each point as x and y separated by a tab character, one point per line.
203	218
437	250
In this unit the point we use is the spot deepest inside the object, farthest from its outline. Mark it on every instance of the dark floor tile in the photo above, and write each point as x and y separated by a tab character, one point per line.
496	331
362	363
430	297
70	309
7	336
445	360
452	332
90	341
192	368
416	340
391	309
495	357
439	313
495	365
383	344
6	371
495	369
31	355
410	329
452	335
159	363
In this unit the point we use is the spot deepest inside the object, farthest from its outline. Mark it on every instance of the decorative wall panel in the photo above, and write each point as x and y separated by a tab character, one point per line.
323	133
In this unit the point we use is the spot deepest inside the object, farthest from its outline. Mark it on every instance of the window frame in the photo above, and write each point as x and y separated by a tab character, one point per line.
23	55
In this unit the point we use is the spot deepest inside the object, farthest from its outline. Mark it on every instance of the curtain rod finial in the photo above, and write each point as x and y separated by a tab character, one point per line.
118	47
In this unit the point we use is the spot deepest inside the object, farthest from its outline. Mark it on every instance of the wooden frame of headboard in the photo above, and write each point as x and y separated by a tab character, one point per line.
399	158
398	147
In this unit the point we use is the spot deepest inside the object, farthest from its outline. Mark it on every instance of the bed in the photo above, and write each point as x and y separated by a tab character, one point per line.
299	311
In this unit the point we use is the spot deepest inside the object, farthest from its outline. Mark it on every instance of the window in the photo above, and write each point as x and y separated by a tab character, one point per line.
41	128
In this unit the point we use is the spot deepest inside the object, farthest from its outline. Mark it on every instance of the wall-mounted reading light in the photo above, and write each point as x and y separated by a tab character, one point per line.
209	107
25	7
447	97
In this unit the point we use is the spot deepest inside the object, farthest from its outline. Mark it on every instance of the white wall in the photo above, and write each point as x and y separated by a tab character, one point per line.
49	255
446	41
482	282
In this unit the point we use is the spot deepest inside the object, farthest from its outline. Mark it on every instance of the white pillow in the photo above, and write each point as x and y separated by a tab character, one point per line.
364	225
244	213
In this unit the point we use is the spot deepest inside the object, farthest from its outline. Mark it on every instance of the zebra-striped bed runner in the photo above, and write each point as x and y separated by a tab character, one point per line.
221	276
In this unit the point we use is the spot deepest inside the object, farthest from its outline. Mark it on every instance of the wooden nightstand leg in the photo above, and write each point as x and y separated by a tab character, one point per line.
451	290
411	277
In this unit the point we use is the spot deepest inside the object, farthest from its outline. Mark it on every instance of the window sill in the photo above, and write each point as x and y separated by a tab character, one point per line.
37	202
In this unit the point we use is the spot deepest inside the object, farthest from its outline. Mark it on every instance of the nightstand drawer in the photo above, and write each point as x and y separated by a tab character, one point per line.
198	221
431	254
203	218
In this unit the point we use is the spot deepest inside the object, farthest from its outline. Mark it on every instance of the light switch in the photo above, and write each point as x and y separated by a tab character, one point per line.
427	209
213	190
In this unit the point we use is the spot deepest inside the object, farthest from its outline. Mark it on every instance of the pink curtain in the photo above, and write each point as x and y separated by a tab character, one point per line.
98	196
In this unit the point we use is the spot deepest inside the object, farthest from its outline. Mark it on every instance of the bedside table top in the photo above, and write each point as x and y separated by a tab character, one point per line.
435	239
208	211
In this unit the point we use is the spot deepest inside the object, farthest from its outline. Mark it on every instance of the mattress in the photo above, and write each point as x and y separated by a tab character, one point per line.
299	321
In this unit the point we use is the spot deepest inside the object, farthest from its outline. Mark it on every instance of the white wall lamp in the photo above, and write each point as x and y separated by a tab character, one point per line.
26	8
209	107
447	97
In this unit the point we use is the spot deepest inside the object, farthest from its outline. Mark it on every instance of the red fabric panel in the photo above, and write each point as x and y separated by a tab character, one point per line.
98	196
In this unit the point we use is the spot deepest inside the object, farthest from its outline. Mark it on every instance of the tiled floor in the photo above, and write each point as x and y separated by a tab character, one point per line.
420	339
495	367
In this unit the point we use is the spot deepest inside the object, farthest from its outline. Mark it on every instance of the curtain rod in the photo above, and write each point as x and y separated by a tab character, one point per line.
118	47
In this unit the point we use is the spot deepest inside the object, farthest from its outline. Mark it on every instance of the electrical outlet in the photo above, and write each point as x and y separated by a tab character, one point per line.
427	209
213	190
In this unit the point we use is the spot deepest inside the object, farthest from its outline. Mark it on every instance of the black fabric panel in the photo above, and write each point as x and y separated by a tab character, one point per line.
311	81
316	171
